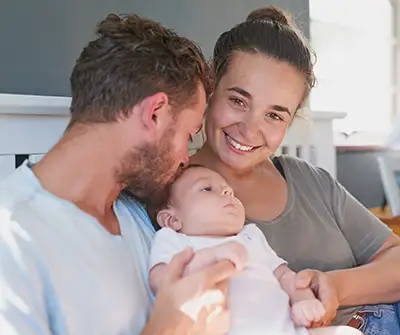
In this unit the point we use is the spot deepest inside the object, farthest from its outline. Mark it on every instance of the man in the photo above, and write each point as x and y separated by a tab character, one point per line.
74	251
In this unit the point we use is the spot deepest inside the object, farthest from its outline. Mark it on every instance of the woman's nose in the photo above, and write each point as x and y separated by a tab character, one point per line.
249	126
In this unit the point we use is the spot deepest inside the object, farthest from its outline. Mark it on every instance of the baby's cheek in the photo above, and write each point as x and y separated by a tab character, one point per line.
198	222
189	220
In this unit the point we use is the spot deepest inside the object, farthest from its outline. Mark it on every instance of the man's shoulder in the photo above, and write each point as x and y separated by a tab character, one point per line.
16	194
136	216
26	210
18	226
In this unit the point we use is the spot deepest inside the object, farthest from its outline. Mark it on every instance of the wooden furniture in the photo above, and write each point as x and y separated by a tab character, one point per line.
393	222
385	216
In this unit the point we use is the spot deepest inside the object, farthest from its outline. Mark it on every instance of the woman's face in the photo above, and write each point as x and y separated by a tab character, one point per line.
251	109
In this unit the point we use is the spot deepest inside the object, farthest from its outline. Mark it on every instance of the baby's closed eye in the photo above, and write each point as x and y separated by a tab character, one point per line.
207	189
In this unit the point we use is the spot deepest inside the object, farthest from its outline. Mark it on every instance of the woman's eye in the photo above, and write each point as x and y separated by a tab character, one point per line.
207	189
238	102
274	116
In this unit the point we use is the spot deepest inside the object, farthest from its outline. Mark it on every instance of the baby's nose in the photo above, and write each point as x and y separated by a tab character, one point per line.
227	191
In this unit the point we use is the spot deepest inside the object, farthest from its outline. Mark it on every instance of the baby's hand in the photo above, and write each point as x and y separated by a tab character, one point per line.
306	312
232	251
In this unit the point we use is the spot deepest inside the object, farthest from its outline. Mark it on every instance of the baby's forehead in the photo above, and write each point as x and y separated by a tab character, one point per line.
191	175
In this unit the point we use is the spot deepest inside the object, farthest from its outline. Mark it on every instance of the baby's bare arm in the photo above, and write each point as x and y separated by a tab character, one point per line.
306	310
286	278
156	276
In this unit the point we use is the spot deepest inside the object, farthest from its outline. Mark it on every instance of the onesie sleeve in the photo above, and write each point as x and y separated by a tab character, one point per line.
167	243
268	254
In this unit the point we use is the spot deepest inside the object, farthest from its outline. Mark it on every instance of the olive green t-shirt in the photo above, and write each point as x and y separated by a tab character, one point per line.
322	227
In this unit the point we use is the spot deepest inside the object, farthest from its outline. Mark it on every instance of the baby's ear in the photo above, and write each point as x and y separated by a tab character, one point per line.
167	218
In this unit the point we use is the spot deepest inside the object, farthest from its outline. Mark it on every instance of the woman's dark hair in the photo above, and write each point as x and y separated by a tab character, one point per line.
270	31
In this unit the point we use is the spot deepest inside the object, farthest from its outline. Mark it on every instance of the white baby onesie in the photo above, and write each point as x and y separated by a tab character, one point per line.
258	304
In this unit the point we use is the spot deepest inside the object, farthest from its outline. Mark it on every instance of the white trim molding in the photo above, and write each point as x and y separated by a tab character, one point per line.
12	104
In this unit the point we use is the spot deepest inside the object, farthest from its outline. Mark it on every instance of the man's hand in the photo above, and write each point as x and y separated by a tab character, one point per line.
306	313
233	251
324	290
189	305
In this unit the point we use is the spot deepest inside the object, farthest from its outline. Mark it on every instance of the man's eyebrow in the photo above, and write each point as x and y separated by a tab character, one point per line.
241	91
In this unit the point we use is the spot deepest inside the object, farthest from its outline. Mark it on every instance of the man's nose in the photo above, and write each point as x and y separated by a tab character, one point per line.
184	164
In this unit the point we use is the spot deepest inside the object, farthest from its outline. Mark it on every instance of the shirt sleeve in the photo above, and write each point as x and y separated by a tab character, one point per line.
167	243
269	255
22	292
364	232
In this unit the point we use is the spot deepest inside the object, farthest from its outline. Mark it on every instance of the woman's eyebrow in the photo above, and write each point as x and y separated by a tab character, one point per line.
241	91
281	109
247	95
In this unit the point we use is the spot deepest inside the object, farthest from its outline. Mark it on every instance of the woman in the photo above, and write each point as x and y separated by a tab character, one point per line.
263	73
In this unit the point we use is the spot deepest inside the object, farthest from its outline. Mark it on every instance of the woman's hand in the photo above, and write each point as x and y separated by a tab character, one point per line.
324	290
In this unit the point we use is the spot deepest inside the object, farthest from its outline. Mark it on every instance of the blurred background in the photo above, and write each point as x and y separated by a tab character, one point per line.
358	69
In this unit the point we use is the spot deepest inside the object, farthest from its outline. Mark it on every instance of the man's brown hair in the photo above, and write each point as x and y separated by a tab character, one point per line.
133	58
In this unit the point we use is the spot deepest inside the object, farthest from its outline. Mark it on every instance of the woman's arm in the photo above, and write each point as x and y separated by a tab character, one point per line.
378	281
375	277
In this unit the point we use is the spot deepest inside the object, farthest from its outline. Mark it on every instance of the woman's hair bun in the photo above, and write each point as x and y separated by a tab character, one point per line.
271	13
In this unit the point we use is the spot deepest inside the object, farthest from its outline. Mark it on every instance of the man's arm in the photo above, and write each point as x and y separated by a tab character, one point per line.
184	304
232	251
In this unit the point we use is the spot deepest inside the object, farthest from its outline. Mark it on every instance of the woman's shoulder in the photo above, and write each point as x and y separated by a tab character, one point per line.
297	168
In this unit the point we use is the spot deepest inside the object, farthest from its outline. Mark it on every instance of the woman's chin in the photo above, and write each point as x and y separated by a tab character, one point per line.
235	162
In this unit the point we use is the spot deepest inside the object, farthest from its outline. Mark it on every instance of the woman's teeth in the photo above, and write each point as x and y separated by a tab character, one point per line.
238	146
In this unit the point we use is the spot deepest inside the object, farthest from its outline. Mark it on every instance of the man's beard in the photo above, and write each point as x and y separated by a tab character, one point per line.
147	170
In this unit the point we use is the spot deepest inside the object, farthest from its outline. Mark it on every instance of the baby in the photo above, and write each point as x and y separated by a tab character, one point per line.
203	213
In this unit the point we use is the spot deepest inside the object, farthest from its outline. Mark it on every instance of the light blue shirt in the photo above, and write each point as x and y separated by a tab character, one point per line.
61	272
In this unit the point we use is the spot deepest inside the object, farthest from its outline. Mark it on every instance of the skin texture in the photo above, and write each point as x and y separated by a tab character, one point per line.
203	204
92	163
257	113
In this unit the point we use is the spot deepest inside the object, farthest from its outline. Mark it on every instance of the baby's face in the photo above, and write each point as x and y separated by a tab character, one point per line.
205	204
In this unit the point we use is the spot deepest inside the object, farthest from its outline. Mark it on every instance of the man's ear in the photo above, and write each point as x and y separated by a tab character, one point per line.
156	112
167	218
